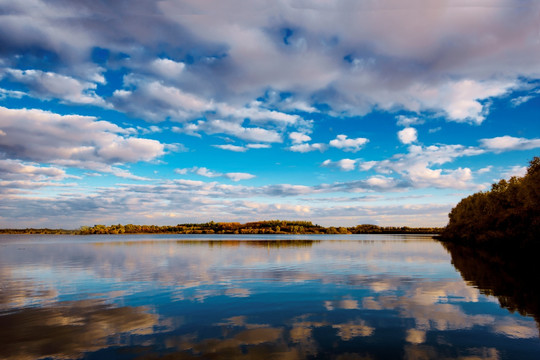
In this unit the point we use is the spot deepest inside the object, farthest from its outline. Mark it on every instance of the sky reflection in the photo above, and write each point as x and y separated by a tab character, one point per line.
151	297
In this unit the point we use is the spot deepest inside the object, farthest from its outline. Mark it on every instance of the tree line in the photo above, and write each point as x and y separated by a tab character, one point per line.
258	227
508	215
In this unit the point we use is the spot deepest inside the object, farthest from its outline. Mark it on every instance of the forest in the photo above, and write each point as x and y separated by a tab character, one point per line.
258	227
506	216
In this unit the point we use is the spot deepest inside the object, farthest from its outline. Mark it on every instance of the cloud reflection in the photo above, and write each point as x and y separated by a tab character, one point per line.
69	329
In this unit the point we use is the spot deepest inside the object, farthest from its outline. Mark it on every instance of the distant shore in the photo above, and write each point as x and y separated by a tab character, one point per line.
279	227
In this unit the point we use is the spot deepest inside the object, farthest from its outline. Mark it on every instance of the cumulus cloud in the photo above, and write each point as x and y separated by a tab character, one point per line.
237	148
155	101
297	137
72	140
305	147
485	169
167	67
231	50
245	133
514	171
345	144
218	126
507	143
343	164
11	93
49	85
300	143
14	169
408	121
237	176
416	166
231	147
256	114
258	146
22	177
408	135
517	101
203	171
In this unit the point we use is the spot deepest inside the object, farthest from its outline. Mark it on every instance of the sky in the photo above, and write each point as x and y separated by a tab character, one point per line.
336	112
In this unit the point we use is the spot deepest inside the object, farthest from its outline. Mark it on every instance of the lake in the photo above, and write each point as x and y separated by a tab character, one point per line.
257	297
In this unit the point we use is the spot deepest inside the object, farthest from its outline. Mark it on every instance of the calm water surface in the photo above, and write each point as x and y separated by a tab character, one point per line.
256	297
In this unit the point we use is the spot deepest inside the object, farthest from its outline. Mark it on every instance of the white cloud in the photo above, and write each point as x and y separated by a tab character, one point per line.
153	129
156	102
520	100
298	138
49	85
181	171
517	101
408	121
256	114
18	170
231	147
10	93
381	182
303	148
507	143
343	164
517	170
188	129
408	135
245	148
167	67
237	176
367	165
485	169
345	144
203	171
461	101
245	133
258	146
72	140
352	75
416	170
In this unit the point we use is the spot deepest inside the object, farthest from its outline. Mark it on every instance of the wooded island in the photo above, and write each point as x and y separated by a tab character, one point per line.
258	227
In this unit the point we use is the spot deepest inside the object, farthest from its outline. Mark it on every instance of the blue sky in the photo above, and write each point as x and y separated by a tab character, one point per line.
336	112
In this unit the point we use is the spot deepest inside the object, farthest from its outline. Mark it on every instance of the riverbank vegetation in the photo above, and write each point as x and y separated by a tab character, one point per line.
258	227
507	216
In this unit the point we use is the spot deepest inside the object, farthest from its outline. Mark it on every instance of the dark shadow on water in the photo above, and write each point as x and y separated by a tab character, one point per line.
511	278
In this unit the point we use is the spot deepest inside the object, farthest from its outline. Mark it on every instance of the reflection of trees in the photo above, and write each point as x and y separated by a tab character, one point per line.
514	281
67	330
252	243
296	243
